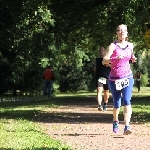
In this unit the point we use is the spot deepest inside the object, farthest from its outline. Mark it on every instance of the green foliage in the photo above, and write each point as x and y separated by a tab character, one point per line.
65	34
144	80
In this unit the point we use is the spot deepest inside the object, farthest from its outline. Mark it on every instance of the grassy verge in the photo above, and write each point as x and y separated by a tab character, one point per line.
140	106
19	130
24	135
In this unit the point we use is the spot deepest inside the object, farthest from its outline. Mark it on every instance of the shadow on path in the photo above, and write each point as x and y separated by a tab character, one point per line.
74	117
83	110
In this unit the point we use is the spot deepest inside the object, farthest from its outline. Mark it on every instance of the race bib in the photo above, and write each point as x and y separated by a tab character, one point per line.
122	83
102	80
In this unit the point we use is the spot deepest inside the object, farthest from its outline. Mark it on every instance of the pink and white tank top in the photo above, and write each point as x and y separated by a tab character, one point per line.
120	68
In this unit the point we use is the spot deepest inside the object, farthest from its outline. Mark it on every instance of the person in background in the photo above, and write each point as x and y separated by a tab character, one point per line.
102	75
138	80
120	52
47	76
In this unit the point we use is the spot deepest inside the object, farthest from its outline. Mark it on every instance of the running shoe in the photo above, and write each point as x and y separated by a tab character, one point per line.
115	126
100	108
127	130
104	107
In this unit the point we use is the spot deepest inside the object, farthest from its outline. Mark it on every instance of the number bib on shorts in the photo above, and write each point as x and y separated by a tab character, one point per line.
102	80
122	83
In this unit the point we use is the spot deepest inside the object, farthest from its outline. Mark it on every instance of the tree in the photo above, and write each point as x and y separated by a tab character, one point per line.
64	33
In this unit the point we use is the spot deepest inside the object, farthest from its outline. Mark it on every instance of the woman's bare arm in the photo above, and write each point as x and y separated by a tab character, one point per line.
133	58
106	58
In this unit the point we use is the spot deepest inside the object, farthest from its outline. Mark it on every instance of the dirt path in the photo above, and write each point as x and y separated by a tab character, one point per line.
82	127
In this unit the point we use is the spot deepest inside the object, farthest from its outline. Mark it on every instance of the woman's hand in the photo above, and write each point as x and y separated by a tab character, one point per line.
133	58
120	57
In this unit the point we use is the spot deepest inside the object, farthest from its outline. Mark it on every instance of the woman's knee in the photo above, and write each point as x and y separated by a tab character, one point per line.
116	106
127	98
127	102
117	103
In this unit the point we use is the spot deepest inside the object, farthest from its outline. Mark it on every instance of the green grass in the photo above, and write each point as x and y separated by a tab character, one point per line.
20	130
24	135
140	106
140	109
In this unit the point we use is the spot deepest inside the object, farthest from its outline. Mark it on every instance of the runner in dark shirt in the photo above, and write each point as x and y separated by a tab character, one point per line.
102	75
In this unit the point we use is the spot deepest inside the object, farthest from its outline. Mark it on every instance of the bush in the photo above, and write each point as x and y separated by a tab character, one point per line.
144	80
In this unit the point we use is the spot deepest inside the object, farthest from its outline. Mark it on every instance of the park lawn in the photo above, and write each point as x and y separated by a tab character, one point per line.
20	131
140	106
140	109
25	135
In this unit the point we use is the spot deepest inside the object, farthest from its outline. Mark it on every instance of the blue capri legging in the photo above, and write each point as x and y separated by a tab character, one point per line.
124	94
